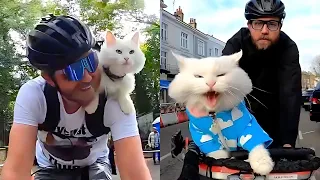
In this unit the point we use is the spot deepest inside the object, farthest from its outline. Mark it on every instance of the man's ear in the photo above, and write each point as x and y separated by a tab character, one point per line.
46	76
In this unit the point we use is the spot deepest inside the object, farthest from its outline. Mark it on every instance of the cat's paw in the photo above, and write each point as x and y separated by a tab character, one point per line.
92	107
219	154
260	160
126	105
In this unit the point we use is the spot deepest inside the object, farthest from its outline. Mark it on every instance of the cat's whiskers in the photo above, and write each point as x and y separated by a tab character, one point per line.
261	90
258	101
228	96
243	95
251	96
233	95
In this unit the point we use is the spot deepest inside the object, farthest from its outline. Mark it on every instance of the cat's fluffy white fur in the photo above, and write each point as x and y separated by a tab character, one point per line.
231	82
124	58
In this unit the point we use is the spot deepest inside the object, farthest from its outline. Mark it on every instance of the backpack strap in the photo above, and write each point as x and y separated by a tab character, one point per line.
95	121
53	109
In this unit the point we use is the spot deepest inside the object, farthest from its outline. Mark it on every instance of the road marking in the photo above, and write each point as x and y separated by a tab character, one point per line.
151	151
308	132
165	156
300	135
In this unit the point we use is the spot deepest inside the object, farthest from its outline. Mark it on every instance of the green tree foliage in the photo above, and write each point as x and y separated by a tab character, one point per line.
16	18
148	79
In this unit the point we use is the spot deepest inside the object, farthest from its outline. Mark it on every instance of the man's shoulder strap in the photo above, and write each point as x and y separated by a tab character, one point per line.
53	109
95	121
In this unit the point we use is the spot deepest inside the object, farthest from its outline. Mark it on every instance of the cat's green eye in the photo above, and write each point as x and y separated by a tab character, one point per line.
221	74
198	76
119	51
131	52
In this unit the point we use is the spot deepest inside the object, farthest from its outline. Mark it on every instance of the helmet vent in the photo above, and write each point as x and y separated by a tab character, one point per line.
60	38
65	27
266	5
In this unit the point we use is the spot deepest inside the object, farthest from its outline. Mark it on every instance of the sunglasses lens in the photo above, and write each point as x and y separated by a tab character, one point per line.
75	71
90	62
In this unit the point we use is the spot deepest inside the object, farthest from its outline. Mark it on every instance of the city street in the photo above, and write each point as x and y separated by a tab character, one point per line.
309	136
154	170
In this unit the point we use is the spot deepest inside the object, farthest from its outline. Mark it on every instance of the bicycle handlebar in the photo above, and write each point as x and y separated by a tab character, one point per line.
286	159
279	153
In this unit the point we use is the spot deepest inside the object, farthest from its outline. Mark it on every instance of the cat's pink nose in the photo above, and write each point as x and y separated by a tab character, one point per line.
211	84
126	58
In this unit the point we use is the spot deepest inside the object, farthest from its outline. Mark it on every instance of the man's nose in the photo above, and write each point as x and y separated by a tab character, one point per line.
86	77
265	29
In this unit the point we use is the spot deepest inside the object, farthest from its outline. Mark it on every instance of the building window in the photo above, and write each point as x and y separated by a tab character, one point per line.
163	59
216	51
210	52
200	47
164	31
184	40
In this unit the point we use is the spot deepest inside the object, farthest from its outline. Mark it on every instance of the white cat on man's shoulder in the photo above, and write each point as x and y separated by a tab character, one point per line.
119	60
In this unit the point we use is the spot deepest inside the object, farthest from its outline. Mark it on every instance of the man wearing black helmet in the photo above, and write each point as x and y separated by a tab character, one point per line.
271	60
49	121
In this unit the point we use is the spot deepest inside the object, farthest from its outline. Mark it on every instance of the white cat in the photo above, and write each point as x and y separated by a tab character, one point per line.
119	60
217	84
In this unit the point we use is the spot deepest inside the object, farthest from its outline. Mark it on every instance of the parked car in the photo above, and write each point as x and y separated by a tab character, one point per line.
306	99
315	104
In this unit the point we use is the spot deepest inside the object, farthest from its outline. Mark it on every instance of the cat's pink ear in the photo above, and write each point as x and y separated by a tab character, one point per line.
236	56
180	59
111	40
135	38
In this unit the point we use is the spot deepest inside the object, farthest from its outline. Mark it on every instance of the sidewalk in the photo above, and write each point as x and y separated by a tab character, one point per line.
154	170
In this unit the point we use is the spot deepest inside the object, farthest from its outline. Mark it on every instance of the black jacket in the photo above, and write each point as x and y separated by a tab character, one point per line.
276	70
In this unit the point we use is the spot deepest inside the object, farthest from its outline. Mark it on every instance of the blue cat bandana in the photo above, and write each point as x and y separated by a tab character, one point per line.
238	127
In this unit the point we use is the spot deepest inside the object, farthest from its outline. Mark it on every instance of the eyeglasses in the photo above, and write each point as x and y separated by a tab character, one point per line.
259	24
75	71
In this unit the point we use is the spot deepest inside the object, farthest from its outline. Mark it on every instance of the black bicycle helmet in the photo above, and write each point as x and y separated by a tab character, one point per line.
262	8
58	41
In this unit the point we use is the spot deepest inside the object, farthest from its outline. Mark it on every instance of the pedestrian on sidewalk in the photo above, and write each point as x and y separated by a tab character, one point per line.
154	143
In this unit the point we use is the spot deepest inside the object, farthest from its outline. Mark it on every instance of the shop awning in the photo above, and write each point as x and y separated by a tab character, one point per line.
164	84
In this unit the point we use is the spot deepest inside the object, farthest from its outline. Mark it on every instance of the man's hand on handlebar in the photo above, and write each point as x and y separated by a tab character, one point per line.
177	143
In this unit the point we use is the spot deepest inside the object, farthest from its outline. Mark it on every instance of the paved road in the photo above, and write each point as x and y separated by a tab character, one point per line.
154	170
171	168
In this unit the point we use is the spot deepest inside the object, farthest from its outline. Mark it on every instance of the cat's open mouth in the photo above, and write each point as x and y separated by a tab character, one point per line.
211	98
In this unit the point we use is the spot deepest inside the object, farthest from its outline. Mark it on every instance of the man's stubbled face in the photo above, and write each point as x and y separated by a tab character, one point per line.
81	92
264	38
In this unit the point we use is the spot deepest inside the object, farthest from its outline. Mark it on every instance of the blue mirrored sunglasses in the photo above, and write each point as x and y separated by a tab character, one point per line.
75	71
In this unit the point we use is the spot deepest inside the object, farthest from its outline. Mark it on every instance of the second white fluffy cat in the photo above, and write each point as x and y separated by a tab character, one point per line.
219	85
